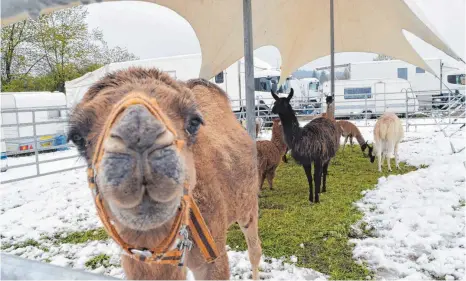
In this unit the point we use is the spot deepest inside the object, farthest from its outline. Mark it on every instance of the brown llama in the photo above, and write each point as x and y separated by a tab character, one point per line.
317	143
157	148
349	130
269	153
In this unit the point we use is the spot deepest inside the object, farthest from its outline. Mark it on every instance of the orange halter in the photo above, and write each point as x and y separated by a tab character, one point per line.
173	248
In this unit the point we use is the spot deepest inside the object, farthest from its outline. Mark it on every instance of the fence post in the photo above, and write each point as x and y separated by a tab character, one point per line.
406	114
36	148
365	105
449	106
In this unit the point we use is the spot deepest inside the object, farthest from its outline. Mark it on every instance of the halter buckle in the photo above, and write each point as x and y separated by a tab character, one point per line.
185	244
144	253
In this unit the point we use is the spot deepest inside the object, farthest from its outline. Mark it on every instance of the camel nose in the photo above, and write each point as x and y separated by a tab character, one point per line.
140	130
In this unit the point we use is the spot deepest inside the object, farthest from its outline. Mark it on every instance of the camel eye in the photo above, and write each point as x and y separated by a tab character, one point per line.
193	125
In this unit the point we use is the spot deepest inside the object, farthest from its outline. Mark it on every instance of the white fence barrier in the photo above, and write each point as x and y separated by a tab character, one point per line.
16	268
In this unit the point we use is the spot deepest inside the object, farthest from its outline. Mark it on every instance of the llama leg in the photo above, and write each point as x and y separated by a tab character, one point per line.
346	140
251	233
261	180
325	172
308	171
317	179
351	142
135	270
284	158
388	163
271	176
396	157
379	160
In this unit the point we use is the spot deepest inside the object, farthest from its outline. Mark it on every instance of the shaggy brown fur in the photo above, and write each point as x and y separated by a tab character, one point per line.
269	153
317	142
349	130
258	122
220	160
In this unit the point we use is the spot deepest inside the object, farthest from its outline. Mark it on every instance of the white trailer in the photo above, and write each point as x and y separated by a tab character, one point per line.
372	97
18	108
422	82
231	80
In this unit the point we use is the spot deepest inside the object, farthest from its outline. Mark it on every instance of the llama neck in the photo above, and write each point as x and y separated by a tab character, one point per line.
360	139
291	129
277	139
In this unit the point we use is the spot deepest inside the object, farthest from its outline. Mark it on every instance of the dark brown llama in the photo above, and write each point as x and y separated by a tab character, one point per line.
314	143
269	153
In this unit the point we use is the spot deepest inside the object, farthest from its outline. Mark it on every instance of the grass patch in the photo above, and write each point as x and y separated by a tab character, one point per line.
29	242
97	261
82	236
287	219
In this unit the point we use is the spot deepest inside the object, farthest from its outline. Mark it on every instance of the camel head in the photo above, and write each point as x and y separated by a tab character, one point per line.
282	106
145	158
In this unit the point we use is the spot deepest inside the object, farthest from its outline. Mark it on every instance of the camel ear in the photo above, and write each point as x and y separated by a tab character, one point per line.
290	95
275	97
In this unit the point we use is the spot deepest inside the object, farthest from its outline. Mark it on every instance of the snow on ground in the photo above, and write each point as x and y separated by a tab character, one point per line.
417	219
50	207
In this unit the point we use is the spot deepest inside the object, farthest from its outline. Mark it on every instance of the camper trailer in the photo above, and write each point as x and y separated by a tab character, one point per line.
372	97
21	108
426	86
231	80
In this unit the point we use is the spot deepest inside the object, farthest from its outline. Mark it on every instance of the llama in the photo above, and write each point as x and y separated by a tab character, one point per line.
258	125
388	132
158	148
269	153
349	130
314	143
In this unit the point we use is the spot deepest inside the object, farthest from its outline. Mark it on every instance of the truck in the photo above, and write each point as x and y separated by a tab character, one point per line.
185	67
17	131
372	97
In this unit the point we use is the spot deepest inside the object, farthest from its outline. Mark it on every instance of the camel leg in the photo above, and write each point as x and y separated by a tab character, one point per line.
317	179
251	233
346	140
308	171
396	157
136	270
271	176
325	172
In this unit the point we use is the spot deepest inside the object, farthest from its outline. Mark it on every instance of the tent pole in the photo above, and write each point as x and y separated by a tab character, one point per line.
332	61
249	68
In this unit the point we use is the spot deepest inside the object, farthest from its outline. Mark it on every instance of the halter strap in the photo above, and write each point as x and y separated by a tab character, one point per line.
173	248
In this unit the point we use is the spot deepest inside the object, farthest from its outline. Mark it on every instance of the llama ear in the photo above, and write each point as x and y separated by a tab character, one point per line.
275	97
290	95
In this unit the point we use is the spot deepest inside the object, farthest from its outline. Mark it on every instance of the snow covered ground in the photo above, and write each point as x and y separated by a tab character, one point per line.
417	219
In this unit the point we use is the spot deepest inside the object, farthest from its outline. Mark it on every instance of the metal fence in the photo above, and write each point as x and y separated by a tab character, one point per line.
27	132
418	109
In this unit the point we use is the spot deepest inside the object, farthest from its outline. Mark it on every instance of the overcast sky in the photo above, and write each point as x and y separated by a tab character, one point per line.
151	31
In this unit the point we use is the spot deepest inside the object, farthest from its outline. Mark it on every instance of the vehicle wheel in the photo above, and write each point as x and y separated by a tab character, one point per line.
369	114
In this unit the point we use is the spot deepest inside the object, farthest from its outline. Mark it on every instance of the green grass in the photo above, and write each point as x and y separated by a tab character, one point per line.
97	261
82	236
287	219
29	242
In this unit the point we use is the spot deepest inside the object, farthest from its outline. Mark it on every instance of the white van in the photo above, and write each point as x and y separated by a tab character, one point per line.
372	97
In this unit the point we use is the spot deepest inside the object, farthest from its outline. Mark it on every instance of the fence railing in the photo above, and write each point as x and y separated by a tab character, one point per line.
31	131
418	109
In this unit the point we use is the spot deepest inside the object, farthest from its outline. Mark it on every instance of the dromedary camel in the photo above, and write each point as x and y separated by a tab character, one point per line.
156	147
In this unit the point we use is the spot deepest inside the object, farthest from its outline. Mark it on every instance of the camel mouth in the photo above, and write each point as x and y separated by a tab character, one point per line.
143	190
148	214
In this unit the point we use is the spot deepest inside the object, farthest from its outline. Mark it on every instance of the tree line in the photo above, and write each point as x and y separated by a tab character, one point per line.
40	55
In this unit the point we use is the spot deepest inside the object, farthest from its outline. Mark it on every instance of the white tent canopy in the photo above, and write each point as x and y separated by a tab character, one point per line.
298	28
